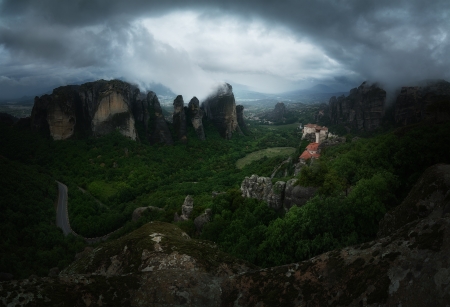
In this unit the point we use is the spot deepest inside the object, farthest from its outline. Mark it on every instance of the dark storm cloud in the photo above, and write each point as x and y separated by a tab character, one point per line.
393	42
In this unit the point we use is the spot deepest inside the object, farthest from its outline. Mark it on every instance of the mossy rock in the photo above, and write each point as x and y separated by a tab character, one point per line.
156	246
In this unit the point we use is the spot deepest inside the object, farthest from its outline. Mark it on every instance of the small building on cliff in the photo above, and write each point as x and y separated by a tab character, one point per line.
311	152
316	132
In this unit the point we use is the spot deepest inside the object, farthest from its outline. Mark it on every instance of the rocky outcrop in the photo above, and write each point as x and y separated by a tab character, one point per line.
179	119
156	265
195	113
94	108
409	267
362	109
430	101
220	109
279	195
278	113
149	112
203	219
296	195
186	210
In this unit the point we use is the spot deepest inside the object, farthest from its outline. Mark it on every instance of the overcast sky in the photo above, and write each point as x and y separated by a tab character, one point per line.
190	46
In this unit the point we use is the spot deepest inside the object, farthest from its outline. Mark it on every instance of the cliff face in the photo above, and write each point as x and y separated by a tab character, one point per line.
196	115
179	118
220	108
279	195
431	101
362	109
155	125
96	108
240	118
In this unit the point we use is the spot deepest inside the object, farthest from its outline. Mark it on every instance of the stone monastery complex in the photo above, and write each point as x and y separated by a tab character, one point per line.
317	133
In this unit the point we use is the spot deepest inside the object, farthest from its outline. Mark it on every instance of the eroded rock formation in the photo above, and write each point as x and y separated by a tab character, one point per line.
362	109
186	210
96	108
153	120
179	118
279	195
278	113
195	113
220	109
430	101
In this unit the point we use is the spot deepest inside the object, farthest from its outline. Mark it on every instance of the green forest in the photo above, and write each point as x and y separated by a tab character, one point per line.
109	177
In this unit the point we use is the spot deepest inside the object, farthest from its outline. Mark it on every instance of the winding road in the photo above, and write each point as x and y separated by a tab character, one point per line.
62	217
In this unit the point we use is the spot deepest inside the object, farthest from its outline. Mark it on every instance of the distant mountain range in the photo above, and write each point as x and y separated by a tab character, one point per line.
316	94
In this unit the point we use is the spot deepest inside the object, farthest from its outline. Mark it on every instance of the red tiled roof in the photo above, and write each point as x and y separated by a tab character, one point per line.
312	146
305	155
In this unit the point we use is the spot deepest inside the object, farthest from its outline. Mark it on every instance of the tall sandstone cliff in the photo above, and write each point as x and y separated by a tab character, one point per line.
148	111
429	101
362	109
220	109
195	114
179	118
95	108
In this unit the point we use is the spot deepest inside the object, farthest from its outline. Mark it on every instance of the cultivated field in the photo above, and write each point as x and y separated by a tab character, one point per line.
268	152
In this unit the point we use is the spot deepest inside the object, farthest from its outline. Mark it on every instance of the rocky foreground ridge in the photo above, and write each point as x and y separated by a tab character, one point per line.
159	265
100	107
